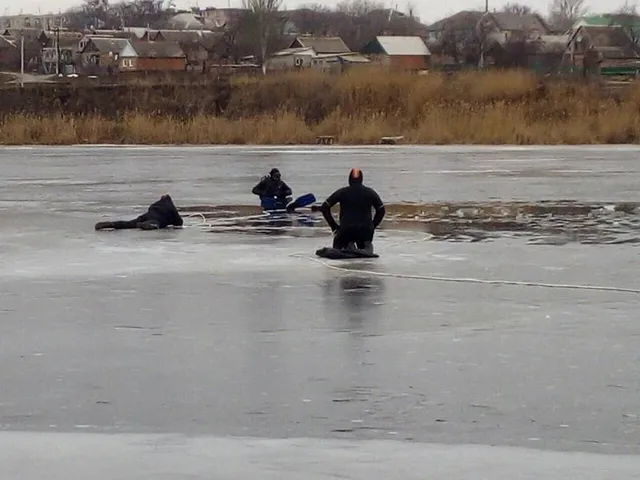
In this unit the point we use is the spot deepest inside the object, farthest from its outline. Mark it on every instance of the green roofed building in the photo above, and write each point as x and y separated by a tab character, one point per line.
630	22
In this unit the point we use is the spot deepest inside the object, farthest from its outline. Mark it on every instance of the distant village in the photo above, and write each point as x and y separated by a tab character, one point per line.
142	36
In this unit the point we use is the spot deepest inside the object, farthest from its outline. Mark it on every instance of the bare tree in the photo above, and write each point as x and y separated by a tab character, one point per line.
97	11
517	8
315	7
564	13
359	8
461	45
627	18
262	20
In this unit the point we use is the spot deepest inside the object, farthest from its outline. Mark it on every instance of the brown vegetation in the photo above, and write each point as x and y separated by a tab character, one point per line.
358	108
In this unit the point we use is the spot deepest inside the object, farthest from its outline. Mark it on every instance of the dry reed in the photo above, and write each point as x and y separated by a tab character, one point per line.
360	107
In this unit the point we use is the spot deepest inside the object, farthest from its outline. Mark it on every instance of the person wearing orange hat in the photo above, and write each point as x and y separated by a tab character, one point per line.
356	203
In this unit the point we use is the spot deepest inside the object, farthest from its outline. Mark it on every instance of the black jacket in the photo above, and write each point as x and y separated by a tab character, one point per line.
268	187
165	212
356	202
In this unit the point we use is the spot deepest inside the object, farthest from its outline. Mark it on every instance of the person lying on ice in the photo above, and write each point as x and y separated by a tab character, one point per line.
160	214
273	187
356	225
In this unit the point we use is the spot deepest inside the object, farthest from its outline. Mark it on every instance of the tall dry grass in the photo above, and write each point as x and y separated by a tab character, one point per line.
360	107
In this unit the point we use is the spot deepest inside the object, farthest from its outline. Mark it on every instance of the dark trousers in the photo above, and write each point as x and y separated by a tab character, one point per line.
144	222
362	237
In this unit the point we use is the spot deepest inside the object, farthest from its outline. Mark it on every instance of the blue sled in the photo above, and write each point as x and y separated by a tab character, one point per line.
273	204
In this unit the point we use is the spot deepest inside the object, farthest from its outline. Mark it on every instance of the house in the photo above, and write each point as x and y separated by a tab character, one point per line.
34	39
33	21
454	40
542	54
99	54
462	25
630	22
399	53
9	55
508	27
338	63
290	59
60	48
321	45
198	45
160	56
30	35
307	57
595	48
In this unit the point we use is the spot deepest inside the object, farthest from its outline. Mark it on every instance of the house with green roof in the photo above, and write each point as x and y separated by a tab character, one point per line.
630	23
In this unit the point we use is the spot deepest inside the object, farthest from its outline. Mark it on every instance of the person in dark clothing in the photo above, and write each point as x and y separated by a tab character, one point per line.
356	225
273	187
160	214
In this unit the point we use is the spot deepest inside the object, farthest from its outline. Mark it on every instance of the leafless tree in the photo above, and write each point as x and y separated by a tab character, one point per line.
129	13
315	7
627	18
359	8
262	20
461	45
564	13
517	8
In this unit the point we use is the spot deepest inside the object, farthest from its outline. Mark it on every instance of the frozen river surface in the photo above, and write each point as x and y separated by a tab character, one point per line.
226	351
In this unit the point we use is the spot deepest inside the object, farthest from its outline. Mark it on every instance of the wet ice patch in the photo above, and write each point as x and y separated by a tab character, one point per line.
136	457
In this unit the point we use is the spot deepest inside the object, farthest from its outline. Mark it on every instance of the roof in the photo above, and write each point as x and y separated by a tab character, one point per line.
137	31
322	44
29	33
394	46
108	44
163	49
294	51
112	33
467	19
354	59
514	21
207	39
613	42
552	43
6	42
188	21
611	19
191	36
66	39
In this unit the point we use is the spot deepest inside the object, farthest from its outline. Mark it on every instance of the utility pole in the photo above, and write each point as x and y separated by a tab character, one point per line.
22	59
57	32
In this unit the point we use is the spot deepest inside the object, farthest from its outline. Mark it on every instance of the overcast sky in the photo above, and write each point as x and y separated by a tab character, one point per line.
429	11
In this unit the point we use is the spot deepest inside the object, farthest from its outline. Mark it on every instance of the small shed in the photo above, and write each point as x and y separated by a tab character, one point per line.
399	53
161	56
290	59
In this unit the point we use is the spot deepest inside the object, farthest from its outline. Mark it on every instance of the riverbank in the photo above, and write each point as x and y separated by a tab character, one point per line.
357	108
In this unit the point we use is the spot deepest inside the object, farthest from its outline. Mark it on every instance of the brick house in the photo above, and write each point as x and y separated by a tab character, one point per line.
399	53
145	56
